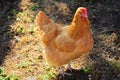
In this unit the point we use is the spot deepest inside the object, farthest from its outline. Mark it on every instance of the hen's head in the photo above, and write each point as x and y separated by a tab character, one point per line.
81	12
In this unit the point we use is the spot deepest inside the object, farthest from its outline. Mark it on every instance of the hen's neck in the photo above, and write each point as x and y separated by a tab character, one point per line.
79	27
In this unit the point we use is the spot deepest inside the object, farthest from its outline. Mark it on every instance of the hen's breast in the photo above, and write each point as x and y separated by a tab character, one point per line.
63	42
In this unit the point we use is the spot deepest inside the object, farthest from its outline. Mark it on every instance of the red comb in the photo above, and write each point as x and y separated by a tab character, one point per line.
84	10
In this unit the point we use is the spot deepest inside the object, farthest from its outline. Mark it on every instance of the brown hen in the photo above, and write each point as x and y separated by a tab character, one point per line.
61	44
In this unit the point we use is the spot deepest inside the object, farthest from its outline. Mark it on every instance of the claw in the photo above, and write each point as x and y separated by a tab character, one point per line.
69	67
63	73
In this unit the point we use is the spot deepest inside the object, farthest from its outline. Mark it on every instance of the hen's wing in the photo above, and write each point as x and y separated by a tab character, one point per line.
48	30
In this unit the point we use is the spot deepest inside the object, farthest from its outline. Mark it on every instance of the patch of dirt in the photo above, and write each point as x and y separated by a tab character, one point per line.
19	41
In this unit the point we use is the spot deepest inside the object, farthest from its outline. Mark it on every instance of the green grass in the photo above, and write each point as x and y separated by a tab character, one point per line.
23	64
90	2
4	76
20	30
86	70
13	12
38	48
1	70
19	15
50	74
115	66
34	7
31	31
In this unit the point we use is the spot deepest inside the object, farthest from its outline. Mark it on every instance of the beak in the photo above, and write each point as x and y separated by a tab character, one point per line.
83	15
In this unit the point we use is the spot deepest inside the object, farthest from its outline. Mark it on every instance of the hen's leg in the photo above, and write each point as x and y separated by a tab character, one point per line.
63	72
69	67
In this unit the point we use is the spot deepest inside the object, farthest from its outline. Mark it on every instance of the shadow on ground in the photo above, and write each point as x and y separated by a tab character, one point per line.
100	70
74	75
8	10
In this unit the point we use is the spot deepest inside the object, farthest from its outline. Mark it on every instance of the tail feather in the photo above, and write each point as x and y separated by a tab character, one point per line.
42	19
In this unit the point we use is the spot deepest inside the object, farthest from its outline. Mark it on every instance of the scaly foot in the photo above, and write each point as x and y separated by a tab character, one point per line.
69	67
63	73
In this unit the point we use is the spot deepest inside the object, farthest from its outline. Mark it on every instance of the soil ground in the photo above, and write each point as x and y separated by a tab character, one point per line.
20	51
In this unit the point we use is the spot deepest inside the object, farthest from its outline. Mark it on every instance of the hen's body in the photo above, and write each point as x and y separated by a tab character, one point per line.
62	44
